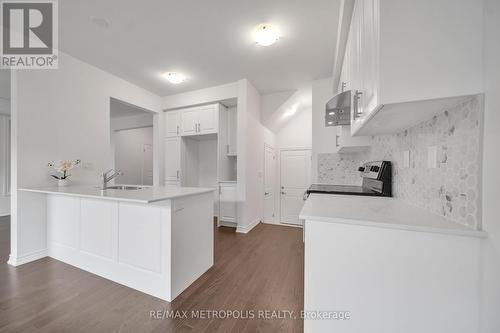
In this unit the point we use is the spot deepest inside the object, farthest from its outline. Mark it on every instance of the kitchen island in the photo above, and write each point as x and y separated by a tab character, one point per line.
392	266
157	240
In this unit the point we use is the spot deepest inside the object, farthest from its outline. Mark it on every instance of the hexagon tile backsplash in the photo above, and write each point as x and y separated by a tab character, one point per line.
452	189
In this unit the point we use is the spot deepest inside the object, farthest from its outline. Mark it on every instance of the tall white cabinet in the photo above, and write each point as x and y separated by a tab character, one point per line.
172	163
200	151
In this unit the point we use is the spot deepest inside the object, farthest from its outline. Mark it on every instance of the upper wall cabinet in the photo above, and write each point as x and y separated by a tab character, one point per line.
200	120
172	124
192	121
408	60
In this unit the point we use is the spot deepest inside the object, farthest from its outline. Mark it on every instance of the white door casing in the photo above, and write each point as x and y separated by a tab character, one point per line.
269	184
295	179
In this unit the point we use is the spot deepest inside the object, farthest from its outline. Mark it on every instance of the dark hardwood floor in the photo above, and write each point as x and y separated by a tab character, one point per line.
262	270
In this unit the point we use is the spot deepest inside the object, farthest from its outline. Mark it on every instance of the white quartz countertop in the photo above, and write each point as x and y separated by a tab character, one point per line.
144	195
379	212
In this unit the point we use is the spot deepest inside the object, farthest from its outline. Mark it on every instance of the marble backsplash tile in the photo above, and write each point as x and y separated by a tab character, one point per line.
452	189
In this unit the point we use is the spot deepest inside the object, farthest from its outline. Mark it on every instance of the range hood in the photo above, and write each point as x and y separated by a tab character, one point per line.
338	110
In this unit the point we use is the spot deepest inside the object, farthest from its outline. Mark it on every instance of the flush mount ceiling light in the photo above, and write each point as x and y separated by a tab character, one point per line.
266	34
174	77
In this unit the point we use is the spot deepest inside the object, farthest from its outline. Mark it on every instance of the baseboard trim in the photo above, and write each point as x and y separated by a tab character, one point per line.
13	261
228	224
246	229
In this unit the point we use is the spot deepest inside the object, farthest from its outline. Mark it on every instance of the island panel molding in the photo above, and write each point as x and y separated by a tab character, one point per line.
159	247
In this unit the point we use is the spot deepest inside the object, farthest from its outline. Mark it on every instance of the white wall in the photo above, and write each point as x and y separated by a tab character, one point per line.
60	114
490	251
297	132
323	138
129	154
252	136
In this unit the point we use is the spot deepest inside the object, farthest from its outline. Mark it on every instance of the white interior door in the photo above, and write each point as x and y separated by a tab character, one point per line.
269	185
147	164
295	179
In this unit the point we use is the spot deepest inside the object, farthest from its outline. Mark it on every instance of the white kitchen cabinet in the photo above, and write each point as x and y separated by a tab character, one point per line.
346	143
232	130
227	202
172	124
189	121
404	66
200	120
172	159
208	119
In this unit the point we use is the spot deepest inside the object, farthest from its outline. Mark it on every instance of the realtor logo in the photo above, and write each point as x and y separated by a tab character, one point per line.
29	34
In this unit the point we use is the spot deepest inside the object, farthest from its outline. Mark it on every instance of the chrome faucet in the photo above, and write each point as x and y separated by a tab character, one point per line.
106	177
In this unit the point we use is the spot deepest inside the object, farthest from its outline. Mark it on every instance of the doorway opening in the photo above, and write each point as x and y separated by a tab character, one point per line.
132	143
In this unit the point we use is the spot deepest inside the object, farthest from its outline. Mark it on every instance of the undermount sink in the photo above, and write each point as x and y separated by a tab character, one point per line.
123	187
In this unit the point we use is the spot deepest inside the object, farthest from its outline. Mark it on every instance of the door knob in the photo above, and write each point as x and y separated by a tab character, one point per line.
266	193
283	192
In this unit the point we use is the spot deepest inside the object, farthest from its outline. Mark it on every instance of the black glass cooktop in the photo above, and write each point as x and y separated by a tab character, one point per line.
341	189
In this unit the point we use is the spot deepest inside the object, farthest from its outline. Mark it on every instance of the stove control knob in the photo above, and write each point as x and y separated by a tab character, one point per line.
374	168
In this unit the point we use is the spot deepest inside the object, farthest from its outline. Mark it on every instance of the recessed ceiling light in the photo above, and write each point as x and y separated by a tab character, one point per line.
330	123
174	77
331	113
266	34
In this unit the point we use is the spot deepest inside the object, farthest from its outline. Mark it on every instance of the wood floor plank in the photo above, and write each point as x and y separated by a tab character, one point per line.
258	271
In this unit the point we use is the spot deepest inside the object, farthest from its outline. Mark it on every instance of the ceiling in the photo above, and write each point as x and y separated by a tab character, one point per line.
210	41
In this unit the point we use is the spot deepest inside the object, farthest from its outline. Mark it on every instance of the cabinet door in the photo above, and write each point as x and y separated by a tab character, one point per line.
189	121
369	54
172	159
345	79
208	119
355	56
227	202
172	124
232	130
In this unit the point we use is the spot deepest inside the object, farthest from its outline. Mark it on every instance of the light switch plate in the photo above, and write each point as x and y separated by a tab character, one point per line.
432	157
406	159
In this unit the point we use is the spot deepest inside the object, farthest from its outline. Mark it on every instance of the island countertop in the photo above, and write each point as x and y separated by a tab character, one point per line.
379	212
146	195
